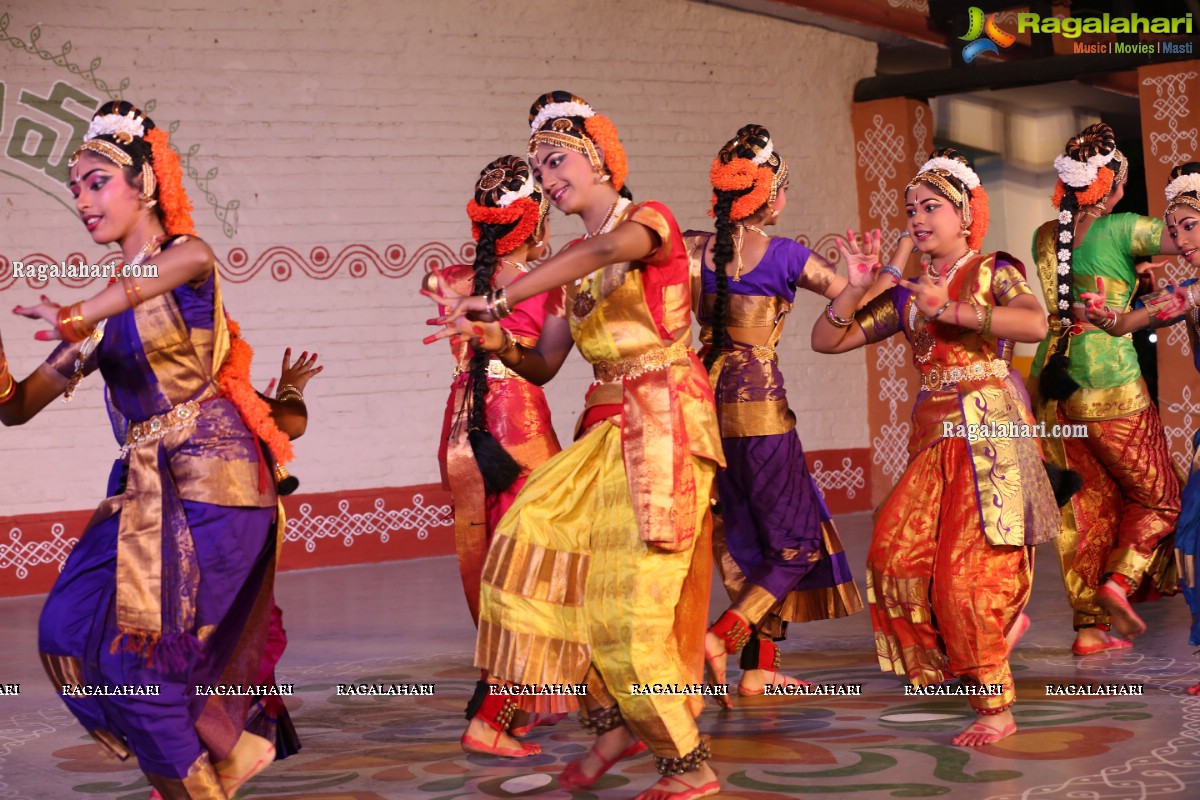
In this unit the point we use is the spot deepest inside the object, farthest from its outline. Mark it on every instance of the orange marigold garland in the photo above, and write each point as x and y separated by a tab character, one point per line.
524	212
172	198
1097	192
980	216
234	380
603	133
738	175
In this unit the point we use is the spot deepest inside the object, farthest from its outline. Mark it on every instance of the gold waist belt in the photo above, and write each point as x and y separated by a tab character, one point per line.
938	378
650	361
156	428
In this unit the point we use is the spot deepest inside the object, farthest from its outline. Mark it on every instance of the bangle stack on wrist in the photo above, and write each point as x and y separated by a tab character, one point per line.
892	270
1110	320
287	392
497	303
510	344
70	324
834	319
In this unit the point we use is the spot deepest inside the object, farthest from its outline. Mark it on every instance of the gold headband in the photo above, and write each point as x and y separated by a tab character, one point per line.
103	148
580	144
121	159
780	176
1182	200
1122	170
938	178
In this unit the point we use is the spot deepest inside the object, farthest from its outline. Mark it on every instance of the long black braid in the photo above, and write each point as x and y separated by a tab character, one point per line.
1055	382
497	466
750	141
722	255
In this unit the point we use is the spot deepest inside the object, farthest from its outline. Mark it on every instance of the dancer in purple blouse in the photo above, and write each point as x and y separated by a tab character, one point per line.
781	560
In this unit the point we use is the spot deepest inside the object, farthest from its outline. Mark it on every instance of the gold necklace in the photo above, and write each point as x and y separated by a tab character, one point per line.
737	247
519	266
613	211
585	301
931	270
756	229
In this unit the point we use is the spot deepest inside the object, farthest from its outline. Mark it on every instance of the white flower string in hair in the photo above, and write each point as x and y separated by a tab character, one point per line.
556	110
122	127
966	176
1182	185
510	197
1080	174
764	155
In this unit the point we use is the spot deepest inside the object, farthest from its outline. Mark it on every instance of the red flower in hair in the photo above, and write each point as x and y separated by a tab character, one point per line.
172	197
603	134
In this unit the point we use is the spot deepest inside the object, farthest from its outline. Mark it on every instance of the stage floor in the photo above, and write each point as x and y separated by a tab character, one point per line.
406	623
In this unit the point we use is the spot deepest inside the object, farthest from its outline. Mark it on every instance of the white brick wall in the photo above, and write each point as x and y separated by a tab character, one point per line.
358	122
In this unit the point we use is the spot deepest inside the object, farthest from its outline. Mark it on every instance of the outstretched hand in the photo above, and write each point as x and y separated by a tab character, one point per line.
862	262
47	311
296	374
479	335
452	307
1177	304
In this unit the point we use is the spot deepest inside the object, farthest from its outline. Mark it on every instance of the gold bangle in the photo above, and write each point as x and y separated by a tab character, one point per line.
499	303
11	389
986	330
290	394
978	315
508	342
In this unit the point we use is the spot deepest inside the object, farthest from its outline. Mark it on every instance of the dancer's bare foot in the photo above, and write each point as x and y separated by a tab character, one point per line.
1111	597
755	681
1096	640
610	747
483	739
701	782
716	658
250	756
1019	627
986	730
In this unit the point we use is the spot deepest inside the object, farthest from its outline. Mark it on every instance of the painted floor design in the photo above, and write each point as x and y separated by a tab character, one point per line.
882	744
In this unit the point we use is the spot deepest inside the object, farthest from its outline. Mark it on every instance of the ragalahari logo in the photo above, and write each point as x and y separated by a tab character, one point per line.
979	26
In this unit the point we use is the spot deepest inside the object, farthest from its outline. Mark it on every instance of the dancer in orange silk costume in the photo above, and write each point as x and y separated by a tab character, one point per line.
950	565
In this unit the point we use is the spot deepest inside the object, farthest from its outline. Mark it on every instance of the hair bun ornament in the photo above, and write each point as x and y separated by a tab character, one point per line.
506	194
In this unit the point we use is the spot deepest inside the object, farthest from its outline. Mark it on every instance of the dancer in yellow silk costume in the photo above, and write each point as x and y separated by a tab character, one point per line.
600	570
950	566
